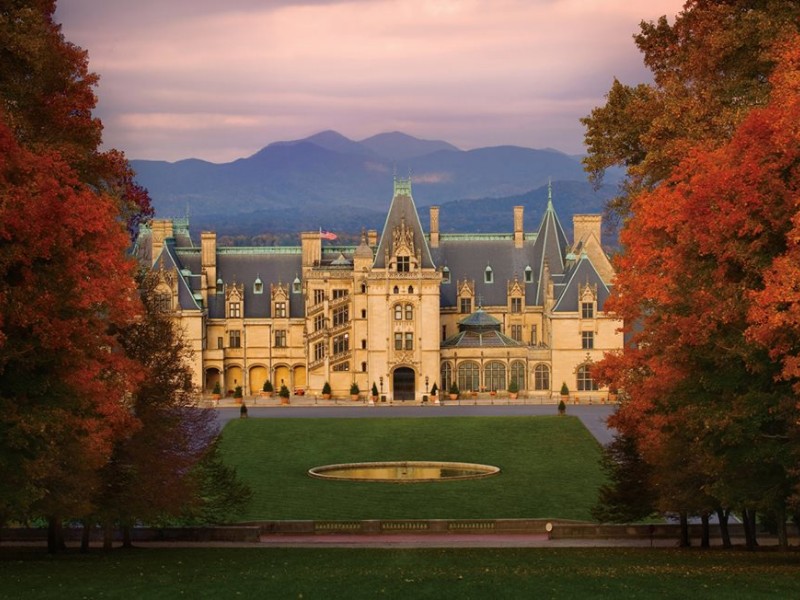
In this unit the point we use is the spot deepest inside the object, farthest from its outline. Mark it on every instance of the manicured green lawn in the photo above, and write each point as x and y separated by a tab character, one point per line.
374	573
549	467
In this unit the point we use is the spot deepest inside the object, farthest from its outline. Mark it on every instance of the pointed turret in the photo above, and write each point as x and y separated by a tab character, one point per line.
551	243
402	233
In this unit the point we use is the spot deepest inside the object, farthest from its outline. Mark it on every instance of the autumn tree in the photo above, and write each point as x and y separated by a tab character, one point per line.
710	67
701	249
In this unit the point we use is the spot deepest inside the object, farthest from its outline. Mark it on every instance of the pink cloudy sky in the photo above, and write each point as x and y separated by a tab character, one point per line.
219	79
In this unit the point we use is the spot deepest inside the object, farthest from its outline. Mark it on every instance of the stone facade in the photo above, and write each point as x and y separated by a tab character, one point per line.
402	310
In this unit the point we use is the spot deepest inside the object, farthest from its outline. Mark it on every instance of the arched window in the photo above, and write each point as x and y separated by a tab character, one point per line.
258	286
445	275
447	376
518	374
398	312
220	286
528	274
488	275
469	377
494	376
297	287
411	289
396	290
541	378
363	288
409	312
584	379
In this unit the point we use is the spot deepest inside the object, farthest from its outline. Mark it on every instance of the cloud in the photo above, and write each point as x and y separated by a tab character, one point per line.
242	73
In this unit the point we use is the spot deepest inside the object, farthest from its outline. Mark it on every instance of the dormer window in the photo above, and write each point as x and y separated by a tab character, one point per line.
297	287
403	264
220	285
258	286
488	275
528	274
445	275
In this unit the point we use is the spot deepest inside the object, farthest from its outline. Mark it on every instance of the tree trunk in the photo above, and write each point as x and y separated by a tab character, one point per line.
685	542
783	540
705	540
127	542
722	515
108	535
749	523
86	536
55	535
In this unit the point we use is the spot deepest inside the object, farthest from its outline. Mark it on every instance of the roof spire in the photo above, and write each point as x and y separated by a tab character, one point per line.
549	193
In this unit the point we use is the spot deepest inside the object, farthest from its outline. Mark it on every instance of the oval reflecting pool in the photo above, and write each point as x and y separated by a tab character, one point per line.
404	471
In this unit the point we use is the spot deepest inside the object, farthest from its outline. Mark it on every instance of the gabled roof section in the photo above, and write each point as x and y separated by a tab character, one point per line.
583	273
401	211
551	243
168	259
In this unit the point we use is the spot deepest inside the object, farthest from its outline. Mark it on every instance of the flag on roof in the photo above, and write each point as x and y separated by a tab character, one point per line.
327	235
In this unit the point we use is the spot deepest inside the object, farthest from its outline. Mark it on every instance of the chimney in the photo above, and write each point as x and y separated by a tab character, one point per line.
161	229
585	225
312	248
372	238
208	259
434	226
519	233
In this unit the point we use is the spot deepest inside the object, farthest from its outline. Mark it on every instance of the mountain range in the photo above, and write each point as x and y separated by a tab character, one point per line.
327	180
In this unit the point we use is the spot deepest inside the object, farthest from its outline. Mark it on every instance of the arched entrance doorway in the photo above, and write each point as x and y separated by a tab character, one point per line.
213	377
403	383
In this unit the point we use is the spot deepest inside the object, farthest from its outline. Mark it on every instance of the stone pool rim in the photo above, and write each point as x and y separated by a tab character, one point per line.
482	471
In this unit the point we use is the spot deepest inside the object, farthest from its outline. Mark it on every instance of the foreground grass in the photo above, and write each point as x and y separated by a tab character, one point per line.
549	467
370	573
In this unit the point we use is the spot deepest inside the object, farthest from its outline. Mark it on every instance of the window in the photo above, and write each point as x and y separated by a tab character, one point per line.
319	350
398	312
541	378
220	286
341	315
469	377
220	345
258	286
516	333
280	309
162	303
528	274
584	379
345	366
444	332
466	306
363	344
363	367
319	322
445	275
446	376
398	341
411	289
396	290
339	294
280	338
587	310
341	343
235	338
319	296
409	312
534	332
363	313
409	340
494	376
403	264
297	287
488	275
363	288
518	374
516	305
587	340
234	310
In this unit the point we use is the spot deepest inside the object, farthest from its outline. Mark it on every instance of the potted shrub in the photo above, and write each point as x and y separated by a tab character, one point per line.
434	391
267	390
564	392
454	391
284	394
238	394
216	393
562	408
326	391
354	391
513	389
374	392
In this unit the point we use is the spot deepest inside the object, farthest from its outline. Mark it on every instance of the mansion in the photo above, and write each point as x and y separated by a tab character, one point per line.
404	309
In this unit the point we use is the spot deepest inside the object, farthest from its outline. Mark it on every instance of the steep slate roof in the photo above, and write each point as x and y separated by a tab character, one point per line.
168	258
581	273
403	209
551	244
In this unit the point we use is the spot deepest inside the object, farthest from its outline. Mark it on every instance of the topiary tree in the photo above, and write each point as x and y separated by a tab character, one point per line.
268	386
284	392
564	389
238	392
326	389
454	389
434	390
513	387
374	390
354	389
